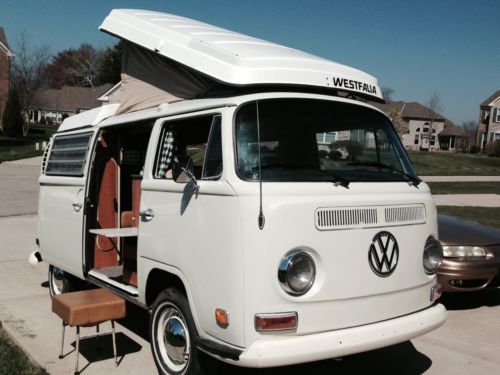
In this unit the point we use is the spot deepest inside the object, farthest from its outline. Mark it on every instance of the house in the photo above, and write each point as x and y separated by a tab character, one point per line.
6	56
420	128
53	105
489	120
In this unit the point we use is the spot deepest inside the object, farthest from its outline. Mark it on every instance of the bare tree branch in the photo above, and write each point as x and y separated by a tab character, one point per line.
29	73
434	104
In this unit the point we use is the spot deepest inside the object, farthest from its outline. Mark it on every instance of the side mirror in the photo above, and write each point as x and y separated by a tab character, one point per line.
182	168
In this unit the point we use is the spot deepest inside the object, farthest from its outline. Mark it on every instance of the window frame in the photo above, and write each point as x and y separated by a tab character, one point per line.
159	143
257	100
81	172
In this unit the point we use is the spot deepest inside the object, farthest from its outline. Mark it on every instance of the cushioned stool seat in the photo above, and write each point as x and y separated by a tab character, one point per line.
88	308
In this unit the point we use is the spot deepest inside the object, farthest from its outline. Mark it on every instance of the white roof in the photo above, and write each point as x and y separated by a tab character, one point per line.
231	57
90	117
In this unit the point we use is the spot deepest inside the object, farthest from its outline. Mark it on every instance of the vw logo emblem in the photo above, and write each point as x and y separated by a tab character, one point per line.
383	254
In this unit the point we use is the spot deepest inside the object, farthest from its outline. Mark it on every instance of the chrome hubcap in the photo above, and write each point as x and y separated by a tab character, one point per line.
173	339
57	280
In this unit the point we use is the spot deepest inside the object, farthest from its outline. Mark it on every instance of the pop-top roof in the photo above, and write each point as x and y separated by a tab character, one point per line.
231	57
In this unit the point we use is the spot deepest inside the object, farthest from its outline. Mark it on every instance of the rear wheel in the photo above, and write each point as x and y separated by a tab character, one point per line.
60	281
172	333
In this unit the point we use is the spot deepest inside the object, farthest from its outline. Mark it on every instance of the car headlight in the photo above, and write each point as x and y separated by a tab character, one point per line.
463	251
296	272
433	255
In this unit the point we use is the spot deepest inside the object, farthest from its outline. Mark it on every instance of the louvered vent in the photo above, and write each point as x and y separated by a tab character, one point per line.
338	218
45	157
345	218
405	214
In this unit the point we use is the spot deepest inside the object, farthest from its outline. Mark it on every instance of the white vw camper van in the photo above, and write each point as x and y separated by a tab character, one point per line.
247	195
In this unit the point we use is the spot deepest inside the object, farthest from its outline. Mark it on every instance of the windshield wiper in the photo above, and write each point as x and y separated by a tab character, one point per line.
412	180
336	179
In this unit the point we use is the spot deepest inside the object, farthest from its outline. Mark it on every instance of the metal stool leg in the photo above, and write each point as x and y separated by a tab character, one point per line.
62	340
98	348
114	341
77	348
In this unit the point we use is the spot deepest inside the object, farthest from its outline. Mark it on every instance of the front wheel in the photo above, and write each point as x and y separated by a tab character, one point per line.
172	333
59	281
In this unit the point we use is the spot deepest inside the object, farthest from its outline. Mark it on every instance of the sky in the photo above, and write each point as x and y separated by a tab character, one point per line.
417	48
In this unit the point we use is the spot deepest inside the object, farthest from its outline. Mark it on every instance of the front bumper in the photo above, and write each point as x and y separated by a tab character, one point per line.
288	350
467	274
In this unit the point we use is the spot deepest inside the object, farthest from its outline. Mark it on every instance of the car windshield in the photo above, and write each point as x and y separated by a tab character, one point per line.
318	140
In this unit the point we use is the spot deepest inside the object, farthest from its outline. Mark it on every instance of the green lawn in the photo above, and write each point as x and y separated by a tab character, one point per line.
483	215
453	164
24	147
480	187
14	361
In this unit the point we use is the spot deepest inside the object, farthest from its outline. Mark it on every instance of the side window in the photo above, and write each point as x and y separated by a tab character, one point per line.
198	138
213	158
68	155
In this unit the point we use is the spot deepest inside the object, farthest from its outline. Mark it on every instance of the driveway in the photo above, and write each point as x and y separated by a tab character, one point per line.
468	343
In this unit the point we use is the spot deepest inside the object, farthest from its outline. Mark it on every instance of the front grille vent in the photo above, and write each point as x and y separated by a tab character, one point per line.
343	218
337	218
405	214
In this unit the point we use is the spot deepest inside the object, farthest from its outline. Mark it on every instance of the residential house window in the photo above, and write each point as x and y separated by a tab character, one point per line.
418	129
433	140
426	130
498	115
417	138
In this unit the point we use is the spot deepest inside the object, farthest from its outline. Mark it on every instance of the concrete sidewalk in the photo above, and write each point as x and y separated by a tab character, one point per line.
472	200
25	313
460	178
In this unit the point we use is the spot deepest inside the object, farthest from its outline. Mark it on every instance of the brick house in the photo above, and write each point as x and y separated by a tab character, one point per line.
489	120
6	56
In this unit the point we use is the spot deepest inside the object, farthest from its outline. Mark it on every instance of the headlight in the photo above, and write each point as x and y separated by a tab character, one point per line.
433	255
296	273
463	251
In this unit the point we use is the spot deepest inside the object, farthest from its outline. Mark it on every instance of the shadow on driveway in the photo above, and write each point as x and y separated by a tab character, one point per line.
471	300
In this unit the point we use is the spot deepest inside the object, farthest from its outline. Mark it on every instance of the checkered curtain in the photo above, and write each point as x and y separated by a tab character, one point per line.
168	149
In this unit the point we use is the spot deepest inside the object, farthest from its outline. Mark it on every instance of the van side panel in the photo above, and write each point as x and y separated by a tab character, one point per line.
200	237
60	224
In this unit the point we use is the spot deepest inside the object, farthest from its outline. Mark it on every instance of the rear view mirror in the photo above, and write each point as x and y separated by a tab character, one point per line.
182	170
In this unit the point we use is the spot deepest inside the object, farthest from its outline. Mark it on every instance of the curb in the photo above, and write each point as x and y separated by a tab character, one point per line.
12	336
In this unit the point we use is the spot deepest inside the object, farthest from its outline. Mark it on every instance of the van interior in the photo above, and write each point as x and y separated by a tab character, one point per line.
112	216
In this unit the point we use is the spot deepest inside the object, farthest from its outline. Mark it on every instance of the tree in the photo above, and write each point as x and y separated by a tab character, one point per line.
434	104
85	66
397	120
29	74
470	128
111	64
12	118
387	93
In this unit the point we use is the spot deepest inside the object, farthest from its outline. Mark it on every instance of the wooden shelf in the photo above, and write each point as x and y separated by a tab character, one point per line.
116	232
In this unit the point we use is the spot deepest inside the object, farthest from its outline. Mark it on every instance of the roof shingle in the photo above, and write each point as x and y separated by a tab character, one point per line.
71	98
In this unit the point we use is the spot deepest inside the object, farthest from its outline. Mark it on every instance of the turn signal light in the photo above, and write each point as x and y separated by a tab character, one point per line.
276	322
221	318
436	292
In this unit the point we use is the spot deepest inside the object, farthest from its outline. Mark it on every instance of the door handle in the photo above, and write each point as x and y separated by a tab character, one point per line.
77	206
147	215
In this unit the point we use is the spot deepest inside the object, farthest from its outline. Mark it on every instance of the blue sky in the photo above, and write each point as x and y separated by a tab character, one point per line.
451	46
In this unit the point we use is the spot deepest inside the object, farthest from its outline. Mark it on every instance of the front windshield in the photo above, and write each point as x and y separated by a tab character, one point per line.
318	140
